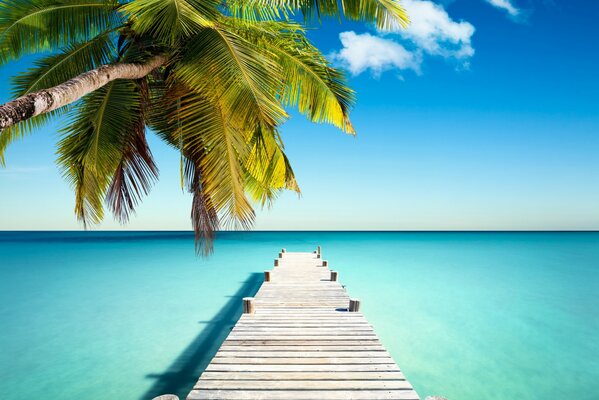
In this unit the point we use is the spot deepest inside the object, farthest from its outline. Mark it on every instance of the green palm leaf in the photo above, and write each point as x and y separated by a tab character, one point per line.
169	21
268	169
196	124
31	26
385	14
318	90
245	77
91	149
136	171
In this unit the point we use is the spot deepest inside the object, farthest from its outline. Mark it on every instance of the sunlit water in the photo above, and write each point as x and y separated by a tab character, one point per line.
469	316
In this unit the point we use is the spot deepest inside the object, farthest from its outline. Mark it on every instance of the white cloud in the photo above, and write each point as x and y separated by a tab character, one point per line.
431	32
364	51
435	32
505	5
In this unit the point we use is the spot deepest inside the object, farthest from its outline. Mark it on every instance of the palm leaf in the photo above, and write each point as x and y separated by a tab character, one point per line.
204	216
169	21
31	26
197	124
91	149
318	90
385	14
136	171
245	77
268	169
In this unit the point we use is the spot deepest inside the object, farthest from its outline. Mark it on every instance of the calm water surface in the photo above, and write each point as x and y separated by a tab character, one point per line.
130	315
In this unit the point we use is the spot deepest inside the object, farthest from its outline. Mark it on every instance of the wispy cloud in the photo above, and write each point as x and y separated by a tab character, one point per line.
506	5
432	32
435	32
362	52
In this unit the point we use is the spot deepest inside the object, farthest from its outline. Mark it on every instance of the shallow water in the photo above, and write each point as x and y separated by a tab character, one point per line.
130	315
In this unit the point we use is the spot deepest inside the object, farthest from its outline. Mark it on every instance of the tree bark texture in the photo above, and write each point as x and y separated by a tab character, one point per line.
46	100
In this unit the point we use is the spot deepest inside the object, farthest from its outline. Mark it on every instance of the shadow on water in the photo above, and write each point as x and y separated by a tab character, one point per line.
183	373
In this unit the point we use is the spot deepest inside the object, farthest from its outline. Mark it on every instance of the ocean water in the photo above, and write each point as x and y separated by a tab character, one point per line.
131	315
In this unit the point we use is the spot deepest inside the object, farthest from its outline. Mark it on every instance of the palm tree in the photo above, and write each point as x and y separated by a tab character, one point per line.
211	78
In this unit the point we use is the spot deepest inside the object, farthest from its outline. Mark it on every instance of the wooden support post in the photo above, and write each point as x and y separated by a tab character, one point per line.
318	249
317	255
325	263
334	276
266	276
354	305
248	305
276	262
283	250
280	255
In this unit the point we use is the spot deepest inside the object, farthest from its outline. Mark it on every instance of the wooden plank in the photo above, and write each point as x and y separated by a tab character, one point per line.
303	354
302	384
303	395
303	367
290	375
313	342
295	347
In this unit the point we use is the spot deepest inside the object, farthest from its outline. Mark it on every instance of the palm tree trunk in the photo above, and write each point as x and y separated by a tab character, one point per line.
46	100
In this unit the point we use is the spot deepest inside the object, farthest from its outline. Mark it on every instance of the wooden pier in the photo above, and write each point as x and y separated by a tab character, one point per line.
302	338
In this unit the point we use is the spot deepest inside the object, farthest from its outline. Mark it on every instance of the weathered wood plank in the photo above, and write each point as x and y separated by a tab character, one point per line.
303	354
304	360
303	395
303	367
313	342
296	347
302	384
291	375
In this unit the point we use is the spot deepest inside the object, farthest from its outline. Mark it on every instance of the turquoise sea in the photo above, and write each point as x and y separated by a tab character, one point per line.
130	315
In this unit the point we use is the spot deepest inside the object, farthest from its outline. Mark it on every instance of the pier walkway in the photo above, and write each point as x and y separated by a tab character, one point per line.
302	338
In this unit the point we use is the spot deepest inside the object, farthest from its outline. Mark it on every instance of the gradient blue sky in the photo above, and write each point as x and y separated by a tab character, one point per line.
484	115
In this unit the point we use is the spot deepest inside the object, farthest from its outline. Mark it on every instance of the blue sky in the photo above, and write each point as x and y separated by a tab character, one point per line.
484	114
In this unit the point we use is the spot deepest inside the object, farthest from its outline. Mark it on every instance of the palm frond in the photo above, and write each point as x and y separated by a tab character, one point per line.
245	77
169	21
91	149
204	216
217	148
259	10
385	14
32	26
136	171
268	169
318	90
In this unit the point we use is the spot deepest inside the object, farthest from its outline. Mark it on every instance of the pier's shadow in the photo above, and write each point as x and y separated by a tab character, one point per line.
183	373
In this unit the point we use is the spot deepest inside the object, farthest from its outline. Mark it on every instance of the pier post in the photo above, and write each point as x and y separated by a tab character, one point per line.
276	262
334	276
248	305
318	249
266	276
354	305
280	255
325	263
283	250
